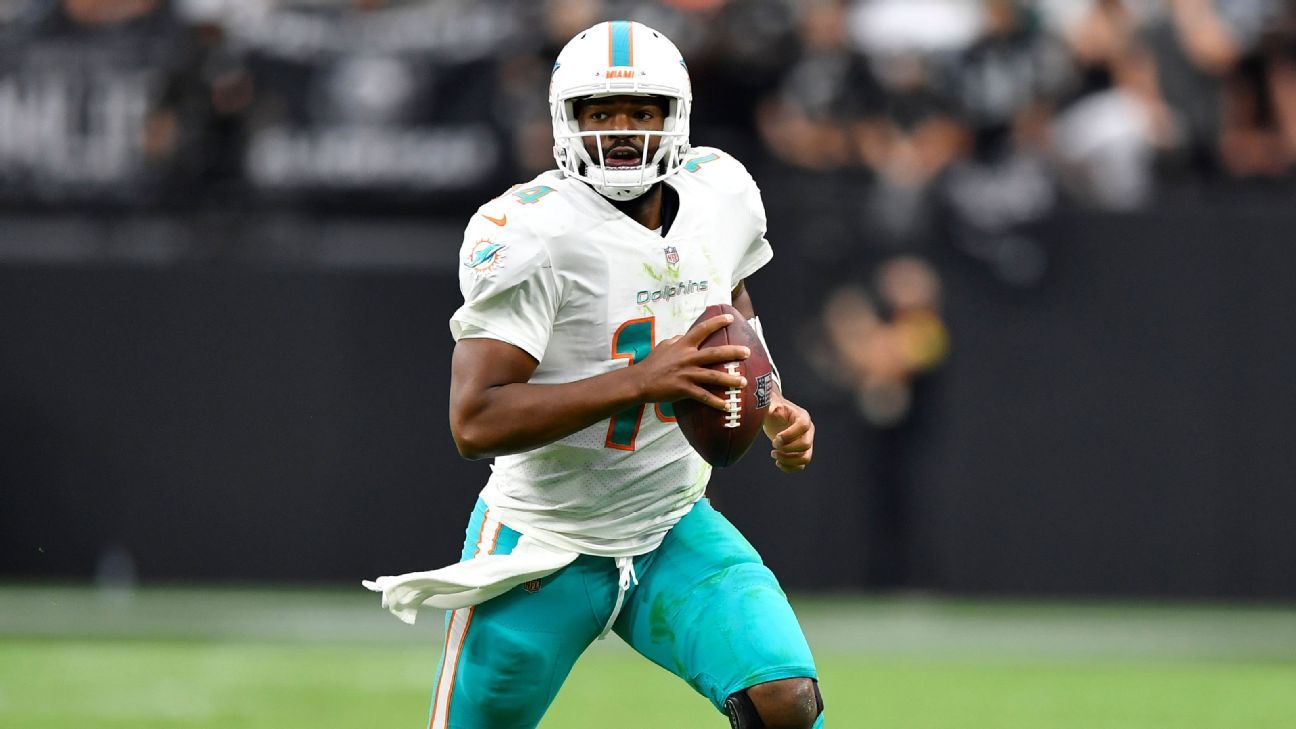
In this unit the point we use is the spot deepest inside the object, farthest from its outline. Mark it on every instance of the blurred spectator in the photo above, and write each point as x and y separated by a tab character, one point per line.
806	122
880	342
746	54
900	27
1007	84
1193	44
1258	126
908	141
809	173
883	338
1105	138
225	90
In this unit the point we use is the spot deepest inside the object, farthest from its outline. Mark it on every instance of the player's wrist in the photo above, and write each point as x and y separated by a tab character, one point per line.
755	324
631	387
776	398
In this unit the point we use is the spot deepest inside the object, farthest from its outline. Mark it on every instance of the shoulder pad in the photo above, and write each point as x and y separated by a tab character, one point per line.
714	168
495	258
541	205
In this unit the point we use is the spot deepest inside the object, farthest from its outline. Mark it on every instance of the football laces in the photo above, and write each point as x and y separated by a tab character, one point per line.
733	400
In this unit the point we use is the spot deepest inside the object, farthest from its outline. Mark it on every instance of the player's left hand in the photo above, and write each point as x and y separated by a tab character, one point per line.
791	432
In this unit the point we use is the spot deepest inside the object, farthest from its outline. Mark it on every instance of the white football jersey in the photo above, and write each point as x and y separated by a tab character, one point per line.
554	269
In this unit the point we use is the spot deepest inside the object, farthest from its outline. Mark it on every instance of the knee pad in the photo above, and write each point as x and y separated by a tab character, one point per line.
742	712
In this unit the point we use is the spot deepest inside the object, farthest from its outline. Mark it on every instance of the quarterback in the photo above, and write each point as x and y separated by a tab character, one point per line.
580	287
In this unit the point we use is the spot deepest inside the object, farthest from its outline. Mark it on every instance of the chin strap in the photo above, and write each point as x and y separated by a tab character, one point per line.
755	324
620	194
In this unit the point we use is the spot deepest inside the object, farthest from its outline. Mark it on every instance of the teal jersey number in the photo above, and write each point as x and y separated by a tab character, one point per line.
696	163
634	340
531	194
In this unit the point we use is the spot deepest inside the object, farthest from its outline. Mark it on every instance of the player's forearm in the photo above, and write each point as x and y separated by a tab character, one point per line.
521	416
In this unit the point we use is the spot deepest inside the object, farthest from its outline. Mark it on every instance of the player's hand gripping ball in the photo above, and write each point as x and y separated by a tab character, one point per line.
723	437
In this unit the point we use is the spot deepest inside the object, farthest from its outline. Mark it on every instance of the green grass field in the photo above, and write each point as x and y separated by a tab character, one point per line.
331	659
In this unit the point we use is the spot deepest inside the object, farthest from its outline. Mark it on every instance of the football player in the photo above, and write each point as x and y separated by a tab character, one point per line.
579	290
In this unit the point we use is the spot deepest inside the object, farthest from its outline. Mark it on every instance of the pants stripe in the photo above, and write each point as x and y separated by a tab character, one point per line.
457	631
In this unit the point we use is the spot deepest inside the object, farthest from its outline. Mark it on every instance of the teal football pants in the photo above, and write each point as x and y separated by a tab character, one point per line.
705	608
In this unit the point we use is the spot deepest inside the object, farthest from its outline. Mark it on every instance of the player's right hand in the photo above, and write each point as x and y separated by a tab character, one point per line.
677	368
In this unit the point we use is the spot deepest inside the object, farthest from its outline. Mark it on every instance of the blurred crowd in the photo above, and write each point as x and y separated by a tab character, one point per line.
1008	106
878	128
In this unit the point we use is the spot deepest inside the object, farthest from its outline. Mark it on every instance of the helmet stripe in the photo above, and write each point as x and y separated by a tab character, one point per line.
620	44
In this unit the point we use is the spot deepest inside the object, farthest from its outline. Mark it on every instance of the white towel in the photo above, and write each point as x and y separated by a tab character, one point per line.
470	582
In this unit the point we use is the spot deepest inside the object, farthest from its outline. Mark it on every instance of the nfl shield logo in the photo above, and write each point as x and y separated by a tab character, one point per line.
672	256
764	388
531	586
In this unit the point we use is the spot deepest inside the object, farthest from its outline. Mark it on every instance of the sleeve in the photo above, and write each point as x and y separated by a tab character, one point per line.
758	251
509	289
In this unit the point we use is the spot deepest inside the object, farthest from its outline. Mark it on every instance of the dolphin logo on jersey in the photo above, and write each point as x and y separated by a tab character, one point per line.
485	256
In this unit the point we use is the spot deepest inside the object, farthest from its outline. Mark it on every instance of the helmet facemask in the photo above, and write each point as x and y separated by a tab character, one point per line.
613	182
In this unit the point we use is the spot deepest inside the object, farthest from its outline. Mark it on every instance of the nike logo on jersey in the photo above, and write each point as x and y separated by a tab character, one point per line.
501	221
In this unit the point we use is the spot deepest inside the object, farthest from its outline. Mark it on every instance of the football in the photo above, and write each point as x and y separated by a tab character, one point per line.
723	437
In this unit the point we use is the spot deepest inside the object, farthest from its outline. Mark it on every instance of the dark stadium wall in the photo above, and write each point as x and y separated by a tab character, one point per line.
1124	428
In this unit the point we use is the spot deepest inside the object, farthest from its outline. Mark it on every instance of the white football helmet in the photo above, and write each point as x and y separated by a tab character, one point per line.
609	59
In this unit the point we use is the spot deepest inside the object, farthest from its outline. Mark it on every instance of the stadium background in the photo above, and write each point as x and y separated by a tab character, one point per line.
1032	278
